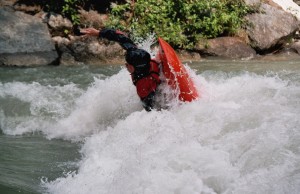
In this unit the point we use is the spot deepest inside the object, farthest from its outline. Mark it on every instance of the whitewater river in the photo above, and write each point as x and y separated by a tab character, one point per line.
82	130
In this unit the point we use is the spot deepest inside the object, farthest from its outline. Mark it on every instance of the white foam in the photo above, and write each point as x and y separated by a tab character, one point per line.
102	105
240	137
67	111
33	105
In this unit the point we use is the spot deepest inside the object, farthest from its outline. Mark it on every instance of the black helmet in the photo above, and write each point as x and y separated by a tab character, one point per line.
137	57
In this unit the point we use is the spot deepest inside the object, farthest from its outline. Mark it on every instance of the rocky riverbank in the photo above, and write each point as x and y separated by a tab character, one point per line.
45	39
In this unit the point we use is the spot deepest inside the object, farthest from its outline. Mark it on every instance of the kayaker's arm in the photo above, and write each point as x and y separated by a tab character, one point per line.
112	35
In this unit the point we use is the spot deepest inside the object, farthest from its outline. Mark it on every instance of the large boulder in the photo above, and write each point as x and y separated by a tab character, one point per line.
271	28
289	6
24	40
91	50
88	50
229	47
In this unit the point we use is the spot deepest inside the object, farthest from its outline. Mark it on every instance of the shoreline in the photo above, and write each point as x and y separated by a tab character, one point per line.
47	39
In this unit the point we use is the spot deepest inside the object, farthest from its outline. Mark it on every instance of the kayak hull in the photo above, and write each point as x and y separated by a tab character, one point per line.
176	74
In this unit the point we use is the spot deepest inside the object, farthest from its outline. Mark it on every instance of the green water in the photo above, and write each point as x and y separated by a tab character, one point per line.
25	160
53	75
28	159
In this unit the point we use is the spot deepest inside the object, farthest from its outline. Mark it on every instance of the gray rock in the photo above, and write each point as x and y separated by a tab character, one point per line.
58	25
252	2
67	59
295	46
229	47
56	21
271	28
188	55
25	40
29	59
90	50
285	55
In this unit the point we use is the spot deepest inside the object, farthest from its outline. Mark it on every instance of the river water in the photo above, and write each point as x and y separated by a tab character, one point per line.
79	130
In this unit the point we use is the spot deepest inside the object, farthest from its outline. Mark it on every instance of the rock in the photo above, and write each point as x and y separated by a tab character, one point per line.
29	59
258	3
270	29
92	18
24	40
67	59
290	51
58	40
7	2
285	55
27	9
252	2
295	46
90	50
229	47
297	35
66	56
57	22
297	2
59	26
61	44
272	3
289	6
188	56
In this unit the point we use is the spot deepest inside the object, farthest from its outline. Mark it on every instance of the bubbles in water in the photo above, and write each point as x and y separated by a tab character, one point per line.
241	136
147	44
238	138
29	107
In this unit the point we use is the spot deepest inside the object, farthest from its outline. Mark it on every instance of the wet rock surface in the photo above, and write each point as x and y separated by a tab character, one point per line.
25	39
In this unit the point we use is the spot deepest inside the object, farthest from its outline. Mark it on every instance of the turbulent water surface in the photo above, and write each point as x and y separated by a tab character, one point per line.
83	130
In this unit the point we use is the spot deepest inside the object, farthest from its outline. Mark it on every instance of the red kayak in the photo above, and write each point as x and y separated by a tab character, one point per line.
175	72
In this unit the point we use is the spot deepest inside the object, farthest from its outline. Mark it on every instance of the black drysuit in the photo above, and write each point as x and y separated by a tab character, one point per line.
145	74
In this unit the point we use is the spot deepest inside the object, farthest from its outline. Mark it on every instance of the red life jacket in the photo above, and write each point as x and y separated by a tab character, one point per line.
146	84
153	72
